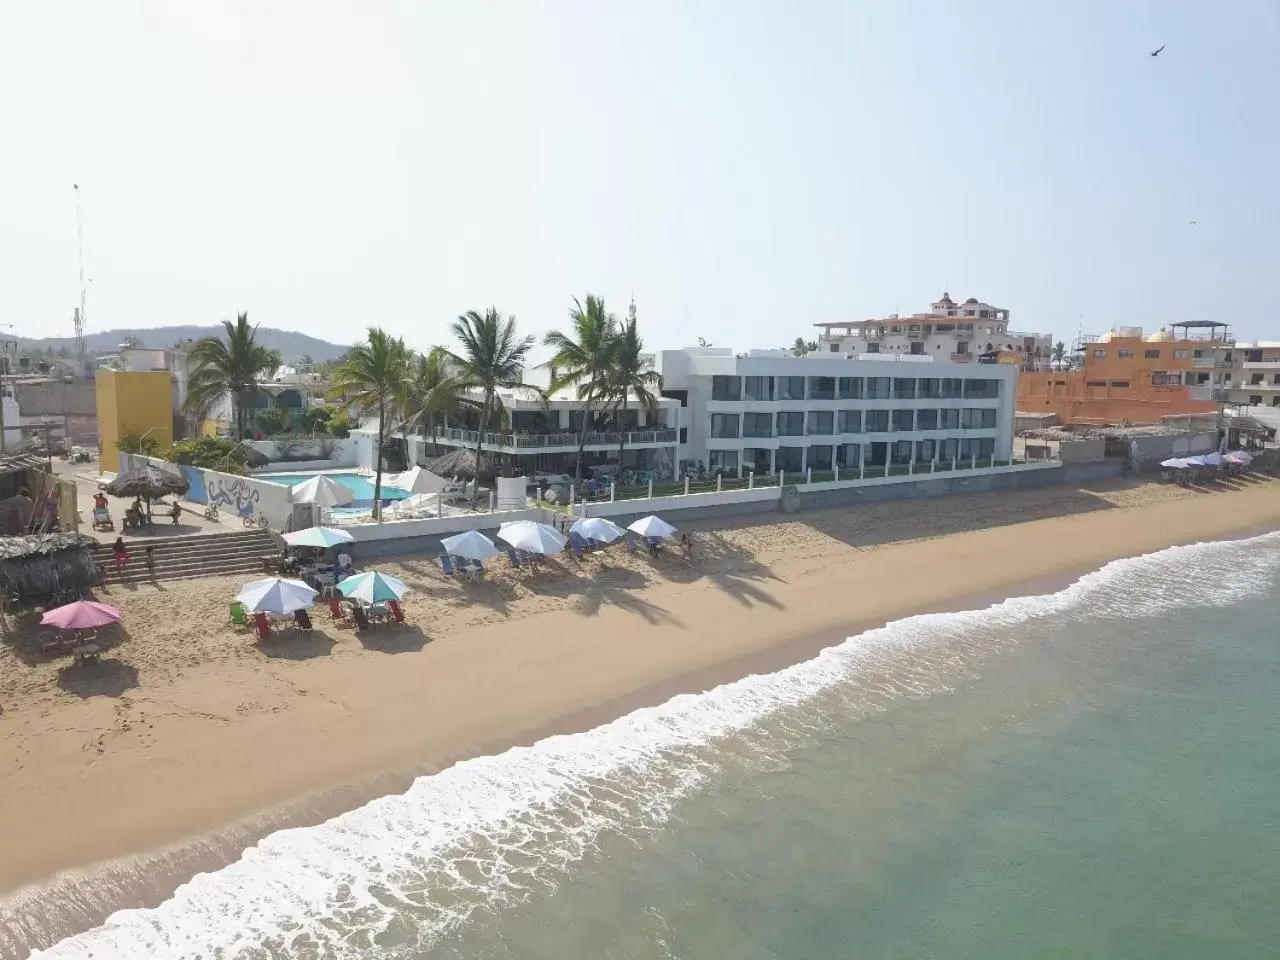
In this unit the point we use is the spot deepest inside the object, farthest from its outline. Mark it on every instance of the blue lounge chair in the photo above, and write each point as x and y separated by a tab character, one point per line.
513	556
654	544
479	572
446	565
631	545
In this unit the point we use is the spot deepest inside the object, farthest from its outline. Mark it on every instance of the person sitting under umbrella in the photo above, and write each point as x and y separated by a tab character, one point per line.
175	513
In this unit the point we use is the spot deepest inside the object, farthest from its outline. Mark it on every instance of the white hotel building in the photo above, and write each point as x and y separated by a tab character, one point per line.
766	411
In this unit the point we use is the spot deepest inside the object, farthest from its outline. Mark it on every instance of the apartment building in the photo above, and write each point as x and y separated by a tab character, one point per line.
766	411
1247	374
950	331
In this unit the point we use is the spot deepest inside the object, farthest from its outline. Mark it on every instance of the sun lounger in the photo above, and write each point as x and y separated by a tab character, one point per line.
302	619
513	558
261	625
479	568
446	565
336	611
654	544
396	612
361	618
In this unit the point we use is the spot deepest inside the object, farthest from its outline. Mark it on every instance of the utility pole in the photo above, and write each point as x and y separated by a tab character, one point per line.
4	363
78	320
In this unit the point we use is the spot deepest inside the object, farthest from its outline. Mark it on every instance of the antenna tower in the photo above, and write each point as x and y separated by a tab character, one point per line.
78	320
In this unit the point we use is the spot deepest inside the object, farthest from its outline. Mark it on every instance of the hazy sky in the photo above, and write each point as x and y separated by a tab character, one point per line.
745	167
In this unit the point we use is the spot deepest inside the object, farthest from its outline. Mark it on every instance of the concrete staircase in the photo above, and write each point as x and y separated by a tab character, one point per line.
182	558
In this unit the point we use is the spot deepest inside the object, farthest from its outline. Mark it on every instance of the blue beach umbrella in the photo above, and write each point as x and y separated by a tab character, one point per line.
317	537
372	587
276	595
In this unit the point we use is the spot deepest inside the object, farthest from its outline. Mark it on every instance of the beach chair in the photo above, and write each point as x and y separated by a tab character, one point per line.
577	545
235	610
479	568
631	545
335	609
303	619
396	611
513	557
446	565
654	544
102	519
361	618
261	625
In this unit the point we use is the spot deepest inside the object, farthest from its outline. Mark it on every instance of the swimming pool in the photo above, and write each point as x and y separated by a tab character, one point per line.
361	487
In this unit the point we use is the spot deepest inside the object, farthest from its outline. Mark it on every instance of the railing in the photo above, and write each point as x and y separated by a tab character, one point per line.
526	441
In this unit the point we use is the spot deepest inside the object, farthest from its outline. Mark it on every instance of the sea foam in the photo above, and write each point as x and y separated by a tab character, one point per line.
393	876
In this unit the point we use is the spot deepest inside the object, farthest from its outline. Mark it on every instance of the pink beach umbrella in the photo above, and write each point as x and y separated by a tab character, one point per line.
81	615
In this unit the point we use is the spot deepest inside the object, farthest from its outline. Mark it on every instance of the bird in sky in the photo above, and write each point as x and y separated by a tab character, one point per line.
1156	53
1192	222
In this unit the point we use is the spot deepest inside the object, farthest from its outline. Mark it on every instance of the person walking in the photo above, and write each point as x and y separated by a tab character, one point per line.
119	553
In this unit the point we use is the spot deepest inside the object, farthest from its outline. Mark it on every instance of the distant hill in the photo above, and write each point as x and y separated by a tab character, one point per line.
292	346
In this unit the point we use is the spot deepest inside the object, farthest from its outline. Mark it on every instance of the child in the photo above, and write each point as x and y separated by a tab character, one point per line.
119	554
151	560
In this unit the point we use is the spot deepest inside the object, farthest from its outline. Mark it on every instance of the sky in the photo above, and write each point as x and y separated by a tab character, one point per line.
743	168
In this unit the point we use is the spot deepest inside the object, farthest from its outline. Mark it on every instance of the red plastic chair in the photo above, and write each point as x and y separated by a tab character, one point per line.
261	625
335	609
396	611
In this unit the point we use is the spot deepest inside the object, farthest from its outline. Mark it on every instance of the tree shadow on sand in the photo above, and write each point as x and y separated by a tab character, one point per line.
733	570
601	586
296	645
106	678
394	639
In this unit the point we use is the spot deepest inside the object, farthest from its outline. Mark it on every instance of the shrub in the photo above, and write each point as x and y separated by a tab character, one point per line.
211	453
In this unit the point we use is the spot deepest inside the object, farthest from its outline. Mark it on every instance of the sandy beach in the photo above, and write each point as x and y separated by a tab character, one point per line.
189	727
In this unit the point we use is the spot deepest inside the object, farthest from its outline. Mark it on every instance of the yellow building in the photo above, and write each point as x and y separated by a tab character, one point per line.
137	403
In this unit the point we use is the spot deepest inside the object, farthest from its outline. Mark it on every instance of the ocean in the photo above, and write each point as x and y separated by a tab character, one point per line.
1091	773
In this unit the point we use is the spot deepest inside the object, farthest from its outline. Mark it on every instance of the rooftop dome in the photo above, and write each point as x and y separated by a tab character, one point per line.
945	298
1161	336
972	300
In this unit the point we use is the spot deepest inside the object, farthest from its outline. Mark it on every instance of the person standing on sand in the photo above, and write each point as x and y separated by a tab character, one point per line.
686	546
119	554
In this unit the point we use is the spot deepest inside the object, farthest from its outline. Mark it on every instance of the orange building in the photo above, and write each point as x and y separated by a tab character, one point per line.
1123	376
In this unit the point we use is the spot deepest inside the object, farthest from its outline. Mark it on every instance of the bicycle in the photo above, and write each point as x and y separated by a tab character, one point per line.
211	512
259	521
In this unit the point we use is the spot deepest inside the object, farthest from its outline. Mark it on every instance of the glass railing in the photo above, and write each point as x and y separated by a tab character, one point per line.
526	441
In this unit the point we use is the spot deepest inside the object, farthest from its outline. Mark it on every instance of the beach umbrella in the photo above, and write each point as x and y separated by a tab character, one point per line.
149	483
322	490
533	537
323	537
416	480
1239	456
276	595
1177	463
1212	459
597	528
372	587
81	615
472	545
651	526
1194	461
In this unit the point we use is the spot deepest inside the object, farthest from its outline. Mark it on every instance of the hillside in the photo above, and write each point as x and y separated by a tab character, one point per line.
292	345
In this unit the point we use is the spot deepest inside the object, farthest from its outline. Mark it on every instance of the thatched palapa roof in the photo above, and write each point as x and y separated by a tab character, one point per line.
47	563
150	483
460	463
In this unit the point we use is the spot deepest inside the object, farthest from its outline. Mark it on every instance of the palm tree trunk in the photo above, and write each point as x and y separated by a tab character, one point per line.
582	436
622	434
377	459
484	424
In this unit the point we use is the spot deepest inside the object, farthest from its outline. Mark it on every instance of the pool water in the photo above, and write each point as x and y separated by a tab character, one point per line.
361	487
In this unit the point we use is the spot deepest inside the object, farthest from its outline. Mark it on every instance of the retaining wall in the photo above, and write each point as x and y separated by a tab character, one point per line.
422	537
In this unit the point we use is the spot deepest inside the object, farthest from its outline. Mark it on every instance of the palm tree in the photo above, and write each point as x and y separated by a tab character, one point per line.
629	374
492	358
431	393
582	358
1059	353
372	377
232	366
802	347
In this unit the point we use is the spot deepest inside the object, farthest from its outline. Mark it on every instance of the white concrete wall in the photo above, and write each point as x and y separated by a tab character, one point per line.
439	526
342	453
679	502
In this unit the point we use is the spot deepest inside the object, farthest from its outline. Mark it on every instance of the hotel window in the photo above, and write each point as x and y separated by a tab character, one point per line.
757	425
925	449
1181	354
981	389
971	418
877	421
873	347
849	454
835	348
724	426
726	388
822	388
929	388
790	459
1151	354
904	388
877	388
986	448
951	388
821	421
850	388
1099	354
850	421
1120	384
759	388
904	420
819	457
926	419
948	449
791	388
1124	354
900	451
725	461
790	424
949	419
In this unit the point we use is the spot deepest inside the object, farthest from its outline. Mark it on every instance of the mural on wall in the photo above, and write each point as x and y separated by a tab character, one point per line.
235	493
196	493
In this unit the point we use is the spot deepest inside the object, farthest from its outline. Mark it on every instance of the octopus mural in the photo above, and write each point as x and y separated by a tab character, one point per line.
234	493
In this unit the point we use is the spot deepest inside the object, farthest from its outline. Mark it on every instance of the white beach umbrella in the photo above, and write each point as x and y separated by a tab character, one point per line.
276	595
1239	456
472	545
317	537
416	480
1212	459
652	526
1176	463
597	528
1194	461
533	537
322	490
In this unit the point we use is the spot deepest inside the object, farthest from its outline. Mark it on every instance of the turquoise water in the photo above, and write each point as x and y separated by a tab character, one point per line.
361	487
1094	773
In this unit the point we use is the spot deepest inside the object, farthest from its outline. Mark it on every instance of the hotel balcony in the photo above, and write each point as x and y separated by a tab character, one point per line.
556	442
962	358
1261	365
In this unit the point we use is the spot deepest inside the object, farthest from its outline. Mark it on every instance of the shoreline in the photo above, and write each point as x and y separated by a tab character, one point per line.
85	896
